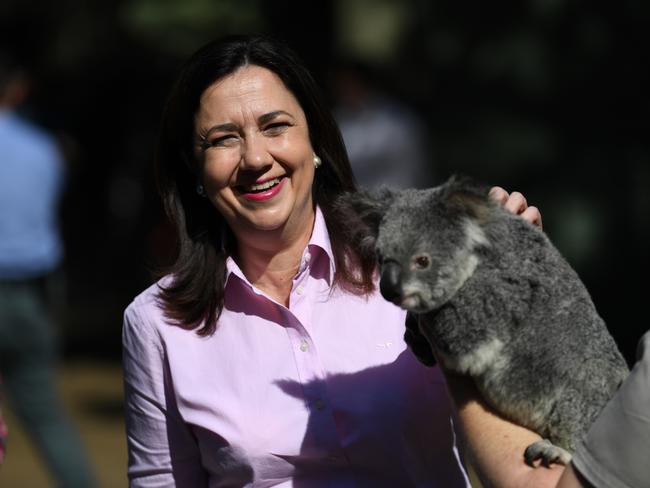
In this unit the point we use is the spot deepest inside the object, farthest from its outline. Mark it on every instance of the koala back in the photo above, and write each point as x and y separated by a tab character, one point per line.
525	328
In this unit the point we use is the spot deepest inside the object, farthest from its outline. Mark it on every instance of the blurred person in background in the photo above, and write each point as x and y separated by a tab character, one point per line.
3	433
31	179
385	139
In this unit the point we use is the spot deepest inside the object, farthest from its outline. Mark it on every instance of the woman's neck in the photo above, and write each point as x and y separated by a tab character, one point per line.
271	259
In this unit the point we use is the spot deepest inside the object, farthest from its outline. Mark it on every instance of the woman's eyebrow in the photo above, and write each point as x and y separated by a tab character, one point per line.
263	119
227	127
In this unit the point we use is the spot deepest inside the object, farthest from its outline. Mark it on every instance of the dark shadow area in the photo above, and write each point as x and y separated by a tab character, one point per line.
414	445
104	408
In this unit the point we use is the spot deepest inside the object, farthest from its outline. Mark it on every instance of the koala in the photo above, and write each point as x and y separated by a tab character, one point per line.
495	301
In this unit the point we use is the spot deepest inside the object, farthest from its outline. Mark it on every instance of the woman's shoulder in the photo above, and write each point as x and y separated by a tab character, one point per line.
145	310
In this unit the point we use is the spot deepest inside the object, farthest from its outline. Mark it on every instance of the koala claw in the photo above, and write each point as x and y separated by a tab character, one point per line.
547	453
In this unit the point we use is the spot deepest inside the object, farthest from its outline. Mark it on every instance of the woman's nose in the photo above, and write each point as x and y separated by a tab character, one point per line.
256	154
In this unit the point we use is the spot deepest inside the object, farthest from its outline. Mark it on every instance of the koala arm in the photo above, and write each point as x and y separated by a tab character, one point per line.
417	342
495	446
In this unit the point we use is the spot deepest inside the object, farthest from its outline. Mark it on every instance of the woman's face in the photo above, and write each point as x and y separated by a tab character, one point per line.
257	159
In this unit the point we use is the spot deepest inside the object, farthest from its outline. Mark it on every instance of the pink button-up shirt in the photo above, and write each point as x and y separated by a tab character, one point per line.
322	393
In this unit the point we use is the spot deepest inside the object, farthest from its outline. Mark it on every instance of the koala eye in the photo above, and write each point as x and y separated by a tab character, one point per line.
422	262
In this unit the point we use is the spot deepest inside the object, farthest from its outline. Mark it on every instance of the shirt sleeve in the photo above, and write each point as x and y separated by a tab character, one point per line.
615	451
162	449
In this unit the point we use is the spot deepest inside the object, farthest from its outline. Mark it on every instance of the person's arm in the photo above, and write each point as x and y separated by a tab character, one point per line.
493	445
162	450
571	478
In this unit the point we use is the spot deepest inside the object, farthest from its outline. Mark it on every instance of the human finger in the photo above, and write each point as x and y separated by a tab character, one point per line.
532	215
516	203
498	194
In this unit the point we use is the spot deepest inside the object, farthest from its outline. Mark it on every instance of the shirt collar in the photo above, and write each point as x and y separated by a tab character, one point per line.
320	239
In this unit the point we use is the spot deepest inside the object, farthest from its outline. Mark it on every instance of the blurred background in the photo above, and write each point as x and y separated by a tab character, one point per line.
547	97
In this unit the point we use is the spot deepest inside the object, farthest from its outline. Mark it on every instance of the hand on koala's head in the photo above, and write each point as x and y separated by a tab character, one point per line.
516	203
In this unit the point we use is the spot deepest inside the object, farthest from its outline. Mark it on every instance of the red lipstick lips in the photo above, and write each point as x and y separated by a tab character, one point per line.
263	190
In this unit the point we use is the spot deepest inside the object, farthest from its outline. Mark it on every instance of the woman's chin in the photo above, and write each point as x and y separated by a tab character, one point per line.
265	219
278	214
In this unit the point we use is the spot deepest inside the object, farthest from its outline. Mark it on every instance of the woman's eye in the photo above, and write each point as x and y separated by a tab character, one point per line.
223	140
276	128
422	262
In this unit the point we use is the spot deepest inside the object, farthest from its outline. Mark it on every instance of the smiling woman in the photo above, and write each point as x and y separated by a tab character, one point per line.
266	356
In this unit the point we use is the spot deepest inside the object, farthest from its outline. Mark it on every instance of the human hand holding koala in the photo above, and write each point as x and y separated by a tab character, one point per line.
496	302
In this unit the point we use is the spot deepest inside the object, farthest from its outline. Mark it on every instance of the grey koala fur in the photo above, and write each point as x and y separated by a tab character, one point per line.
497	302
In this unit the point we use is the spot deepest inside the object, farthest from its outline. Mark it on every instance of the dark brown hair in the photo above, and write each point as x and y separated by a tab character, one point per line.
194	297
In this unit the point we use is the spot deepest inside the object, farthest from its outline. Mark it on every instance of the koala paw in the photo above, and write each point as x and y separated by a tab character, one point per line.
548	453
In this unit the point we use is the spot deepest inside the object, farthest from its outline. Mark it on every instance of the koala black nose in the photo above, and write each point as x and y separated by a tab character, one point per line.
390	284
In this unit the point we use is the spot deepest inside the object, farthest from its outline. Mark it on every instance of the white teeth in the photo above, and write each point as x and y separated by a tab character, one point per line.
264	186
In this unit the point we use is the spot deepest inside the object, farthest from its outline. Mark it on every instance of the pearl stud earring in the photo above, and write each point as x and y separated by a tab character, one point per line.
317	161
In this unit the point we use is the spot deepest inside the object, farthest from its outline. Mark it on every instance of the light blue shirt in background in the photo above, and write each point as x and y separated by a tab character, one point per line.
31	177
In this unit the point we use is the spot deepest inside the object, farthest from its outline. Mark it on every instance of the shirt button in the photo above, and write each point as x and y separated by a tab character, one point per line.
319	404
307	257
303	345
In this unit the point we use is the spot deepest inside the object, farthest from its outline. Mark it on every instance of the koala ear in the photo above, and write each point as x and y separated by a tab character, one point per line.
364	210
467	196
